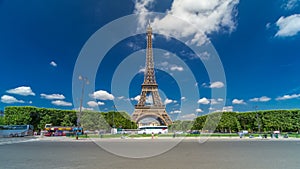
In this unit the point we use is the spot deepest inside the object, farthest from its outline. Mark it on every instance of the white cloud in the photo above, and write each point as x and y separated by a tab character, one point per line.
220	99
10	99
178	68
149	99
94	104
199	110
286	97
167	55
168	101
164	64
136	98
102	95
237	101
290	4
141	9
216	101
288	26
53	96
183	98
142	70
61	103
84	108
216	85
203	100
227	109
188	116
261	99
203	56
268	25
52	63
175	112
206	16
134	46
23	90
121	97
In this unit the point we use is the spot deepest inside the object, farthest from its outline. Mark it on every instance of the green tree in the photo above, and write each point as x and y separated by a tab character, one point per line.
2	120
94	121
229	122
66	121
46	119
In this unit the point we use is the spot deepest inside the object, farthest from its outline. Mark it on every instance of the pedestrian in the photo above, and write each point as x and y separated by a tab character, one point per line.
152	135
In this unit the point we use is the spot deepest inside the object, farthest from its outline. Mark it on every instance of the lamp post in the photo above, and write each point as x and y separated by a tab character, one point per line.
258	125
84	82
113	116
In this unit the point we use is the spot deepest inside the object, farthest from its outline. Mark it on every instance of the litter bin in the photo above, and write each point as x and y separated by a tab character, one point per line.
276	135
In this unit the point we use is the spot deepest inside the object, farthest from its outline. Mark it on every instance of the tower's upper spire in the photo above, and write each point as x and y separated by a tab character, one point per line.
149	29
149	69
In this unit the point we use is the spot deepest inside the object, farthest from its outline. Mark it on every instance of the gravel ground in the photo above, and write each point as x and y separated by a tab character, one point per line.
67	153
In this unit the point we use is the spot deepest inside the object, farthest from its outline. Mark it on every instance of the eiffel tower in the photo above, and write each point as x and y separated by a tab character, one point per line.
156	109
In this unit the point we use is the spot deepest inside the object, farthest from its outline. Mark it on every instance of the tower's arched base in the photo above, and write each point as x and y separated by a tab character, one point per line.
158	113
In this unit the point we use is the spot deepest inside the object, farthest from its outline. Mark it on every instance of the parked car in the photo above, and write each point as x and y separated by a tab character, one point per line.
195	132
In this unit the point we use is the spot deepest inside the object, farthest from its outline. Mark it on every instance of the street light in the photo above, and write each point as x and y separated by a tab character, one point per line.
258	125
113	116
84	82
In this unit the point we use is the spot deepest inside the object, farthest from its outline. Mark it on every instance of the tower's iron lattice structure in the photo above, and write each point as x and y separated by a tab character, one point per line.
156	109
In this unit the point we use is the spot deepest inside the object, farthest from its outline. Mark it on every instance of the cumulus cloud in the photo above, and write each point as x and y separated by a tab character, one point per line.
23	90
216	101
84	108
102	95
188	116
203	56
149	99
168	101
203	100
10	99
216	85
288	26
290	4
121	97
176	68
52	96
237	101
206	16
183	98
134	46
142	70
52	63
164	64
227	109
175	112
136	98
286	97
199	110
94	103
260	99
61	103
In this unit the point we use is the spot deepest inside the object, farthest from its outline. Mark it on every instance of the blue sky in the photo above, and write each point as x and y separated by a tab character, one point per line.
257	43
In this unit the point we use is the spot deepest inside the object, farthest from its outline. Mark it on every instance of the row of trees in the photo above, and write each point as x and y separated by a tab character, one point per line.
261	121
38	117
